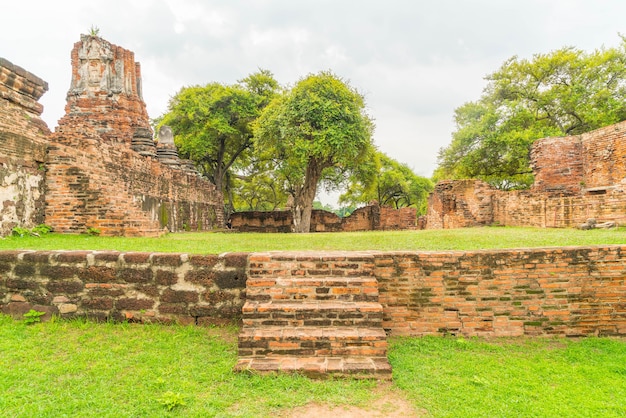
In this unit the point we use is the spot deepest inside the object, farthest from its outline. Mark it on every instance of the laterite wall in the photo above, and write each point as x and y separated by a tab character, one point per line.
570	291
107	285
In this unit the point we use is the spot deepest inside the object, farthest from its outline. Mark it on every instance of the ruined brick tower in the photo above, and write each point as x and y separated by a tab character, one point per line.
104	99
102	166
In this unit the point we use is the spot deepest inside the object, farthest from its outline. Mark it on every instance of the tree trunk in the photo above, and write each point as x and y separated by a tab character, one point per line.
303	199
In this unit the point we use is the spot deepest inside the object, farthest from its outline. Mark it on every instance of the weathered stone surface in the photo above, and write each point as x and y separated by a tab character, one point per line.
576	178
66	287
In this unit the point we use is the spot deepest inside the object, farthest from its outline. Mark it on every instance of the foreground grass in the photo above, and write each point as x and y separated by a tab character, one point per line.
215	243
121	370
84	369
455	377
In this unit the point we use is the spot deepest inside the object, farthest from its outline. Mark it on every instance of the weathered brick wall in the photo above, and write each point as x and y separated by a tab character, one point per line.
557	164
119	192
576	178
368	218
22	148
107	285
261	221
393	219
551	291
95	179
604	158
460	204
524	208
557	291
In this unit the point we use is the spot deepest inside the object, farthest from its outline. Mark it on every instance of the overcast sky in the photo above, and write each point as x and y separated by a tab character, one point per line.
415	61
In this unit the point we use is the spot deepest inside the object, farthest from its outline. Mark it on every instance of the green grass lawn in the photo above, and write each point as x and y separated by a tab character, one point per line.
219	242
80	369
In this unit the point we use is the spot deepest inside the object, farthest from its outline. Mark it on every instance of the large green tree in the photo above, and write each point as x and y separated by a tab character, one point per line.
316	131
389	182
564	92
212	124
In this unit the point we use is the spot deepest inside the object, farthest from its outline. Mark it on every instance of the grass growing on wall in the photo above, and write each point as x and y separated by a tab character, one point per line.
217	242
76	368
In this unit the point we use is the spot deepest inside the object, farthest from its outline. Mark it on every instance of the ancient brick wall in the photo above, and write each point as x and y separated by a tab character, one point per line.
124	286
604	158
368	218
460	204
261	221
104	169
22	148
570	291
557	164
559	291
576	178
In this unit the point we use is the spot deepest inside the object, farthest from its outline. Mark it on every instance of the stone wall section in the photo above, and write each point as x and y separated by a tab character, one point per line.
123	193
556	291
96	179
573	291
576	178
106	285
23	139
368	218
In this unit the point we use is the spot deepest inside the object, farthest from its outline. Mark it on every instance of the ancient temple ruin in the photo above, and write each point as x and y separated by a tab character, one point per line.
101	169
576	178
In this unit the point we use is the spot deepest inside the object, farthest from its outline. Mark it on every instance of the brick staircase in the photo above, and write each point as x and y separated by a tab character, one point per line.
314	326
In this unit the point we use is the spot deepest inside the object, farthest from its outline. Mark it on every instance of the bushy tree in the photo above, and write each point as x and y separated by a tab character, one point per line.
388	182
564	92
314	132
212	124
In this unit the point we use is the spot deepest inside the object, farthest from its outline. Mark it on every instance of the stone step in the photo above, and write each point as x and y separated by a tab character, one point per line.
312	313
312	341
320	367
297	288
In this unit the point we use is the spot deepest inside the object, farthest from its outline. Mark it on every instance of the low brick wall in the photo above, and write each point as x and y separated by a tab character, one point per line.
555	291
571	291
124	286
367	218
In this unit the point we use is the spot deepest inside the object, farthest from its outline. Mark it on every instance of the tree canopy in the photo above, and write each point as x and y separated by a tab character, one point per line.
212	124
388	182
316	131
564	92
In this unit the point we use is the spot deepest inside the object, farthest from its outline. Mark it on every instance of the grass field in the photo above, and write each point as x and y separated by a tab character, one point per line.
219	242
80	369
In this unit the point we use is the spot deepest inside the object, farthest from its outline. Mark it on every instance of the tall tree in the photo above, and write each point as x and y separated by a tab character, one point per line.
212	124
565	92
318	130
389	182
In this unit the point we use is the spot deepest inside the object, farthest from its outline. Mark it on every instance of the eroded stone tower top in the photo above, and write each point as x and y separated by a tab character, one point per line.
104	100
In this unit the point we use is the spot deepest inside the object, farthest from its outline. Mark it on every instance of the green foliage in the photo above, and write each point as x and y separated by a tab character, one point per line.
33	317
388	182
171	400
315	132
259	189
564	92
94	31
37	231
18	231
212	124
93	231
42	229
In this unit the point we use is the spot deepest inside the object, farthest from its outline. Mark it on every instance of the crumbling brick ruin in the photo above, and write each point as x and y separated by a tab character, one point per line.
101	168
576	178
369	218
23	139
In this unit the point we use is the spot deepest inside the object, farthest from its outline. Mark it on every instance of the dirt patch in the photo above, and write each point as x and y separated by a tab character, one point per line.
389	403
